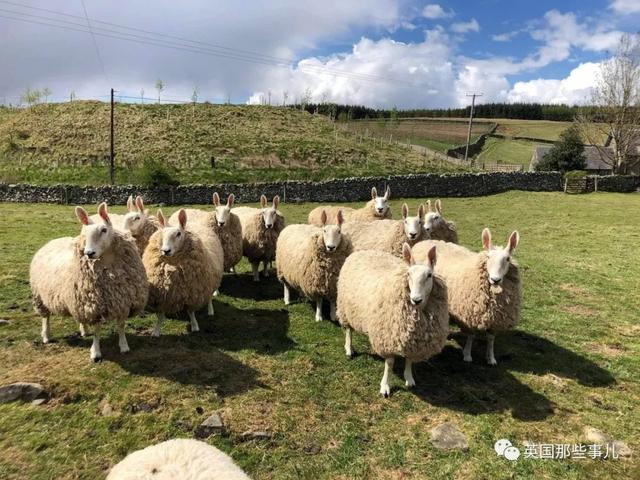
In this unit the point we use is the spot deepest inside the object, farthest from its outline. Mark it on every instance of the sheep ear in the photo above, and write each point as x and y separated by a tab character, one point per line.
161	219
486	239
431	257
82	215
429	209
130	203
263	201
140	204
374	193
182	218
340	218
513	241
231	199
405	210
216	199
406	254
323	217
276	201
387	193
439	206
421	212
104	214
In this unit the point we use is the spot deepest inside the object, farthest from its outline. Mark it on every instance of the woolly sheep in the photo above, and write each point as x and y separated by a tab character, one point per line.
484	289
309	259
398	304
184	267
436	225
260	231
387	235
180	458
376	209
94	277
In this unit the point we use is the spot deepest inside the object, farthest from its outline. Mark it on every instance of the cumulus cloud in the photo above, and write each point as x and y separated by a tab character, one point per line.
434	11
464	27
625	6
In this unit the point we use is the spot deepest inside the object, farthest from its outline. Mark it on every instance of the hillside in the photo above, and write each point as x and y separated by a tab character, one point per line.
69	142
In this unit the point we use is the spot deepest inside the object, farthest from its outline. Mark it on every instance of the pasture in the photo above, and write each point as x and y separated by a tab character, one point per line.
573	362
499	150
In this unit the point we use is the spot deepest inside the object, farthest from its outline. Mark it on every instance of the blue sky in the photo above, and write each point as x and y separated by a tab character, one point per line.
384	53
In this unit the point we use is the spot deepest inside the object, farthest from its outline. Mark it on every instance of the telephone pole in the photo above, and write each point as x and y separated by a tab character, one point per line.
112	169
473	104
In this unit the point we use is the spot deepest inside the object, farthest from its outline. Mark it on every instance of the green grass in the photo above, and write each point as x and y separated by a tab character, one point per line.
573	361
542	129
499	150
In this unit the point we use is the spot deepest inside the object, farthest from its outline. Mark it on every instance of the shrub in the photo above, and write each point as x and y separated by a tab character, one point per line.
156	173
566	154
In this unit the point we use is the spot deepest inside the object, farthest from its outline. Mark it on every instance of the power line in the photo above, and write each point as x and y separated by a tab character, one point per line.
95	42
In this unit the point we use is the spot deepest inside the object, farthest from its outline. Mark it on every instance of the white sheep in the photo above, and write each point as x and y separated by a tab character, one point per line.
436	225
309	259
484	289
177	459
376	209
184	268
400	305
387	235
95	277
260	231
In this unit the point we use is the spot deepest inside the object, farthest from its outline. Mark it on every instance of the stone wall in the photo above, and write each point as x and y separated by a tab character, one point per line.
340	190
613	183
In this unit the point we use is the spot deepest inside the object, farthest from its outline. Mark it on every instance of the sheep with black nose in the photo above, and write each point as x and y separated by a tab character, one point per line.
437	226
376	209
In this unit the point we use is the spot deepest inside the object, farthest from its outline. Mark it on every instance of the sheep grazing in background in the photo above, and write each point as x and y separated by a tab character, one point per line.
184	268
399	304
484	289
178	459
376	209
387	235
95	277
309	259
260	231
437	227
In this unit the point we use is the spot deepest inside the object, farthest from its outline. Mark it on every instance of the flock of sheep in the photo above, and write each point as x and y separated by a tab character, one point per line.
399	282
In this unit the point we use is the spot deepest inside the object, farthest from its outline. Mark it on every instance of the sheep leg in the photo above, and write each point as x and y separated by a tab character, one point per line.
210	310
287	295
265	268
216	293
122	338
194	323
332	311
96	354
385	389
159	319
319	310
254	269
46	332
408	374
347	342
83	329
467	348
491	359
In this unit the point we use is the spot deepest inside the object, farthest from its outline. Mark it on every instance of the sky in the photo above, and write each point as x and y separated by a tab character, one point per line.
379	53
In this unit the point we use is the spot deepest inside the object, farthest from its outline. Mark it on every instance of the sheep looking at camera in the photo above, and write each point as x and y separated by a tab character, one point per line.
376	209
436	225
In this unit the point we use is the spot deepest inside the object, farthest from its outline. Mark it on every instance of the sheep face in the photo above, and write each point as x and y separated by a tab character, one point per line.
413	225
498	258
380	204
223	212
332	234
269	213
433	217
419	275
172	237
135	218
97	237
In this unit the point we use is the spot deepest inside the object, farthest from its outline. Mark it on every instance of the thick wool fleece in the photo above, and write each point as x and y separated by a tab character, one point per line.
304	263
64	281
384	235
445	231
258	241
365	214
373	298
183	281
142	237
474	303
178	459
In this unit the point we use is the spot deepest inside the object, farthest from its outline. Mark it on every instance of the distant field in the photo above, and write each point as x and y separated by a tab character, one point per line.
497	150
542	129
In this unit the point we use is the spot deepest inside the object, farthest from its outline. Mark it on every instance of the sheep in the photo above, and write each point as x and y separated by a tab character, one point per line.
437	227
400	305
387	235
94	277
485	290
260	231
184	267
309	259
180	458
376	209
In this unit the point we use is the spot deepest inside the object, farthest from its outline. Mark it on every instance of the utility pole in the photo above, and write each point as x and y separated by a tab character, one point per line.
473	103
112	170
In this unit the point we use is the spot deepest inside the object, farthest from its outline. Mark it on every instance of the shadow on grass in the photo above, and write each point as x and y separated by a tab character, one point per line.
241	285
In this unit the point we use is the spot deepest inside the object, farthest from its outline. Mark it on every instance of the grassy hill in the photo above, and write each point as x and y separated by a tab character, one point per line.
69	142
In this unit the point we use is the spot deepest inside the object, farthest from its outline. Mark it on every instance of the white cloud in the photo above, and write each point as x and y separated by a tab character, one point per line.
625	6
504	37
434	11
464	27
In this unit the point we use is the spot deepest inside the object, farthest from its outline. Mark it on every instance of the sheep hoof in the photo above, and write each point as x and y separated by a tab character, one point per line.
385	391
45	340
351	355
318	319
492	362
216	293
125	350
96	359
468	359
410	384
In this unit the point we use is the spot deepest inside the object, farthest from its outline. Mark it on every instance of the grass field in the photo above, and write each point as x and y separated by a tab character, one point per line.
542	129
498	150
574	361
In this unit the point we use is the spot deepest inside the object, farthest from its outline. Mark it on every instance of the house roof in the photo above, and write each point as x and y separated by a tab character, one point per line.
592	156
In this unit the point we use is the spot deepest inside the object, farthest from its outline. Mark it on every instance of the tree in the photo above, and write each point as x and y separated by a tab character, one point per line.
159	87
31	97
72	96
285	96
45	93
142	96
566	154
194	95
616	98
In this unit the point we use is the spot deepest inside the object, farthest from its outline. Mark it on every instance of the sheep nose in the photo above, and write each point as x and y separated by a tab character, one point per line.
416	301
90	253
495	280
268	225
331	248
413	235
166	251
380	210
